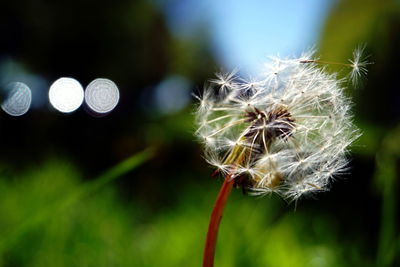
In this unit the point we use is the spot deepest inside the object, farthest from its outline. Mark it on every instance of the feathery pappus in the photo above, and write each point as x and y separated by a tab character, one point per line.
287	132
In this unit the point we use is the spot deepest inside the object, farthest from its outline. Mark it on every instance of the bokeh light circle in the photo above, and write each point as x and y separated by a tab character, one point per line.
102	95
18	99
66	94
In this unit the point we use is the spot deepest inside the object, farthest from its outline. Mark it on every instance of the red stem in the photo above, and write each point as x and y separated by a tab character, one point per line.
216	216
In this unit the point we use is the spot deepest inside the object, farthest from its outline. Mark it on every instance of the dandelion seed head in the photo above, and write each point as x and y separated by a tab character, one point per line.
286	132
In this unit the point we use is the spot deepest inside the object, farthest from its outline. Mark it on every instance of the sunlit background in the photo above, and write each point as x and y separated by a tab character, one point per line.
98	162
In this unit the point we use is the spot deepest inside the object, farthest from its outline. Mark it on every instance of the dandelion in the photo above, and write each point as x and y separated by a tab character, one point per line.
286	133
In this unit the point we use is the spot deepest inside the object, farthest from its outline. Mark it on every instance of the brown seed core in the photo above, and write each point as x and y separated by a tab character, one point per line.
264	128
277	123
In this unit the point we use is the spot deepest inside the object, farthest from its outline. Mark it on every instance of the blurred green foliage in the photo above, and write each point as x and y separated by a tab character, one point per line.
387	181
45	197
102	230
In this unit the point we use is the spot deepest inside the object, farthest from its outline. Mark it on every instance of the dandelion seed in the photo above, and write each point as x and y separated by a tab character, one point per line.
359	65
224	81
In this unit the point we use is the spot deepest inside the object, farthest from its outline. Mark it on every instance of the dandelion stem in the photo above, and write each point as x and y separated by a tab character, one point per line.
216	216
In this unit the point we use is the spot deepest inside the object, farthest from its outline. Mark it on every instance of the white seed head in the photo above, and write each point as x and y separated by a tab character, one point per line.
287	132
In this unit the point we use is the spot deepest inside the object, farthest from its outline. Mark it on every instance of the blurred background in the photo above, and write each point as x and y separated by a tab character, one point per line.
130	187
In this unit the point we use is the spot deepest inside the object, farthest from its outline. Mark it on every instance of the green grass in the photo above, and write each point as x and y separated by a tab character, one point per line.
33	201
50	218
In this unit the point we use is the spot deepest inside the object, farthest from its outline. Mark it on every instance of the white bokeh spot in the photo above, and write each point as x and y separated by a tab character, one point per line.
66	94
18	99
102	95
